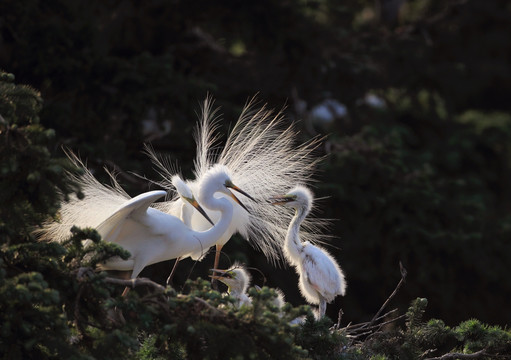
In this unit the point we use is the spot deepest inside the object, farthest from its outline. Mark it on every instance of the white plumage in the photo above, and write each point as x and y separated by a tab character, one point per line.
99	202
237	279
261	154
148	234
321	278
152	236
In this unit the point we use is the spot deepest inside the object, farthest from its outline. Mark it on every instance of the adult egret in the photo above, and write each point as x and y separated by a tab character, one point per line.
321	278
261	154
153	236
100	201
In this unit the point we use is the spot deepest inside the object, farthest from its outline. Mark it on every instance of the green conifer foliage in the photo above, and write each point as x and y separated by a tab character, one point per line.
30	178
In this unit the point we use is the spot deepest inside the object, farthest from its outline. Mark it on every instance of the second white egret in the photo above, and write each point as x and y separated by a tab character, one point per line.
321	278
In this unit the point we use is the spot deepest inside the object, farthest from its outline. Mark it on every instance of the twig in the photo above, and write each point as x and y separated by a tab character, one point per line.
377	326
363	326
403	279
476	355
339	317
135	282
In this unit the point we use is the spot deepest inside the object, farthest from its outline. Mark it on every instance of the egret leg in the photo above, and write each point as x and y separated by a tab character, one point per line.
171	276
214	283
322	306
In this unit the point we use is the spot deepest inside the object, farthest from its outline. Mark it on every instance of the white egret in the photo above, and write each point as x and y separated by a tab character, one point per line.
261	154
152	236
238	279
100	201
321	278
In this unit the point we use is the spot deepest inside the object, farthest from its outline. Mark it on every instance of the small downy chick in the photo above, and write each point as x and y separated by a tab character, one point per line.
237	279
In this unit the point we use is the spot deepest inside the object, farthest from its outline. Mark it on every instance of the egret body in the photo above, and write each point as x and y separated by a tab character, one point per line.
237	279
153	236
321	278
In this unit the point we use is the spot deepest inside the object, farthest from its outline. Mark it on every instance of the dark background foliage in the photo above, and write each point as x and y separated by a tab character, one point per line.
422	177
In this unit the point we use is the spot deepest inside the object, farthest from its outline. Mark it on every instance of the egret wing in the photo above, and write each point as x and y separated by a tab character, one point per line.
323	273
135	207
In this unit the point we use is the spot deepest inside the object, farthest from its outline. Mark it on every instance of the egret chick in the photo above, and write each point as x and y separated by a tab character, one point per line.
321	278
237	279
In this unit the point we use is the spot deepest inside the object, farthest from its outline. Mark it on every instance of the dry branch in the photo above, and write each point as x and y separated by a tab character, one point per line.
477	355
135	282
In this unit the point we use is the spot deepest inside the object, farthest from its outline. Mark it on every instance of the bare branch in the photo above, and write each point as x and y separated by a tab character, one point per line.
355	327
339	317
403	279
135	282
477	355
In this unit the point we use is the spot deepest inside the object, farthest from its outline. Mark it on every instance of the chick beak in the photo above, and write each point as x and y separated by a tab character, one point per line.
217	277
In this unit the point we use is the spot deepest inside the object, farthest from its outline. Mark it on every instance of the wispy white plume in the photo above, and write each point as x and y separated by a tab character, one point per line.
99	202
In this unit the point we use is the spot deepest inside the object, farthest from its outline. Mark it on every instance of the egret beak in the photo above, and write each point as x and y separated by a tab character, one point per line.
199	208
239	202
234	187
281	199
217	277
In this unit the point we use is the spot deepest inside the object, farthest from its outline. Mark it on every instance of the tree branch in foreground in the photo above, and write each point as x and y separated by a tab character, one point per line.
477	355
135	282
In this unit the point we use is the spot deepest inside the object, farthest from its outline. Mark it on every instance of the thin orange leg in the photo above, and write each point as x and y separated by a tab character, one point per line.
214	283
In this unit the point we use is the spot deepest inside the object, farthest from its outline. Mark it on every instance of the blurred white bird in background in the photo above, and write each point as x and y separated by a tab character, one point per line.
321	278
263	158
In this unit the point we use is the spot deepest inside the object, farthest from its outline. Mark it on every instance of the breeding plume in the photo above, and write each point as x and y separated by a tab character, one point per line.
262	156
321	278
100	201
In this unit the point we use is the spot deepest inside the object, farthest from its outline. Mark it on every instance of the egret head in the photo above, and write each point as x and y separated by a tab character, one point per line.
186	194
237	278
218	179
298	197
